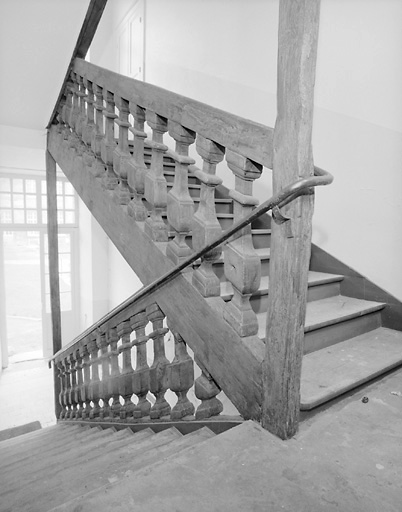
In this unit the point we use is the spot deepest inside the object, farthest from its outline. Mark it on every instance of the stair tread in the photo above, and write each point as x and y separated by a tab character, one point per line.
314	279
120	477
332	371
264	253
329	311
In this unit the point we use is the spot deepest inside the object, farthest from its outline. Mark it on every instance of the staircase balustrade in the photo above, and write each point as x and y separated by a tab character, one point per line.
133	379
128	174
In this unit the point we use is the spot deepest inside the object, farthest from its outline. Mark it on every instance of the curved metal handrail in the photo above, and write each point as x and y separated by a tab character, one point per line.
288	194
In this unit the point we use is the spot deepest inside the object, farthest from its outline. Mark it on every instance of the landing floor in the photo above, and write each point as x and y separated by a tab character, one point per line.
348	458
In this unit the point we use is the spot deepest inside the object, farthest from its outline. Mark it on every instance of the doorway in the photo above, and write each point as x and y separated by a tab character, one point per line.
25	321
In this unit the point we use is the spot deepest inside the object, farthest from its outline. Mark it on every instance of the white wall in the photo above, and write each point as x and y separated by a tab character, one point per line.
227	57
358	137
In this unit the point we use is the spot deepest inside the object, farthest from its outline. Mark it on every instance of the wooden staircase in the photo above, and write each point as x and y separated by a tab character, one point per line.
345	344
38	476
159	210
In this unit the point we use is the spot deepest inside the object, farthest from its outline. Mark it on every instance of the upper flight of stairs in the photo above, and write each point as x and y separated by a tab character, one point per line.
61	467
345	344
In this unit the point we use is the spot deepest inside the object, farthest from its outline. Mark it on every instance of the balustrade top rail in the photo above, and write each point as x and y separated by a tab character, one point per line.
248	138
142	298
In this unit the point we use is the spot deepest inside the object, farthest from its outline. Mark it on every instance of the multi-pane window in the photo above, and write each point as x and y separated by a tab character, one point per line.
23	201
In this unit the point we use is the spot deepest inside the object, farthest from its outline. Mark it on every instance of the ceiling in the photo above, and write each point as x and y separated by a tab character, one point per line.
37	38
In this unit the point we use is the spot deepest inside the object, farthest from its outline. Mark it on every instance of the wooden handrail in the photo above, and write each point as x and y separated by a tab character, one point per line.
86	35
137	300
248	138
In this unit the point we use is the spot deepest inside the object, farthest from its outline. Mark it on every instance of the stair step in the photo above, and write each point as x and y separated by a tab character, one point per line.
39	445
261	237
39	464
334	319
121	476
320	286
332	371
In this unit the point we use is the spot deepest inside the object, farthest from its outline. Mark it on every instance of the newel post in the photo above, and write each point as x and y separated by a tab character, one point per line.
291	226
54	269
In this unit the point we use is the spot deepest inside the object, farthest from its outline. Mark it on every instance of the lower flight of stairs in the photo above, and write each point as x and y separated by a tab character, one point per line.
59	467
345	344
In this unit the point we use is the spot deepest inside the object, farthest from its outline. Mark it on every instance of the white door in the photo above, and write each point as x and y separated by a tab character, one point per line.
131	42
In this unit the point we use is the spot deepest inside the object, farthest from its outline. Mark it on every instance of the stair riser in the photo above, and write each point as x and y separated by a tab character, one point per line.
262	241
259	302
331	334
192	180
194	190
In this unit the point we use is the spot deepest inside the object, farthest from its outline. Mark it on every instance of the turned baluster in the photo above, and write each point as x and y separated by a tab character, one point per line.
86	366
67	388
126	374
75	110
206	389
60	123
206	226
97	135
66	110
82	115
136	168
105	381
108	143
140	380
180	205
241	262
94	385
121	153
158	375
60	371
181	378
89	125
112	340
78	396
155	181
73	390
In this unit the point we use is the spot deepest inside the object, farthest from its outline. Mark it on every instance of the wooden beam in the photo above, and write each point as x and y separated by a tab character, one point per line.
53	267
86	35
291	232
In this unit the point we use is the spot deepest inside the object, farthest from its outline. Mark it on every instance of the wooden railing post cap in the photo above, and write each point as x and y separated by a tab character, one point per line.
83	349
209	150
242	166
101	340
154	312
156	122
179	133
139	320
124	328
92	345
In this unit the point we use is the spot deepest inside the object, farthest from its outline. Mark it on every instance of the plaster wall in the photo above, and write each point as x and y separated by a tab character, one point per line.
227	58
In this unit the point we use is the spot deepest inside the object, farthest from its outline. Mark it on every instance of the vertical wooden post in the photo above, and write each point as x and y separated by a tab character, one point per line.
291	229
53	268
